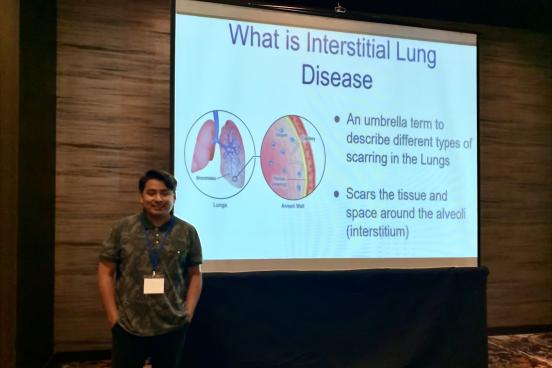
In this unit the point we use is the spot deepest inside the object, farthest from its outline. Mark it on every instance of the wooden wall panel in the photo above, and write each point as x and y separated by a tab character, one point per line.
9	141
113	123
516	175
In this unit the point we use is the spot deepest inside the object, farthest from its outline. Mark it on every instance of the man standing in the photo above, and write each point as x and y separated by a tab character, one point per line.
150	279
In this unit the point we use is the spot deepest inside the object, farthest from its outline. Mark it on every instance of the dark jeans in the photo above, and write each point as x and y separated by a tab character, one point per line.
131	351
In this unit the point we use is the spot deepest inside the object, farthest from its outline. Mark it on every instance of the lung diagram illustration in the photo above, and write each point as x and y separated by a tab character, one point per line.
210	170
232	154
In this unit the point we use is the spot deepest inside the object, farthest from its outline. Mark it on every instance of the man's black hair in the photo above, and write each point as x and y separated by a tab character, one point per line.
164	176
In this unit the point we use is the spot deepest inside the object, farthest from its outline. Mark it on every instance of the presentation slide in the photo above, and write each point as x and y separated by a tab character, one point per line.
306	142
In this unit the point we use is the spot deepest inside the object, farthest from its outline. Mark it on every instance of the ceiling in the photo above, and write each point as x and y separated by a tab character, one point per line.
527	14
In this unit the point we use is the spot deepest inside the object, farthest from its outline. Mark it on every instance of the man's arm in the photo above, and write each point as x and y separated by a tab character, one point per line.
195	283
106	284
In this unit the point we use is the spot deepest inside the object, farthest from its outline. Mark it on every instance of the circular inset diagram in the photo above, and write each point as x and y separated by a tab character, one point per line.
225	174
293	157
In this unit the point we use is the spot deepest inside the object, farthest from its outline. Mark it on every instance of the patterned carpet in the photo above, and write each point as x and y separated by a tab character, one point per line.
521	351
511	351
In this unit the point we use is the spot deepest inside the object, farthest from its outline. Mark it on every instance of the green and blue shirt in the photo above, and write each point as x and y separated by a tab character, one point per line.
127	246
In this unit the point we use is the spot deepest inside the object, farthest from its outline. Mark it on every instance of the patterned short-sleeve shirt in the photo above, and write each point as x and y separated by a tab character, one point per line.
151	314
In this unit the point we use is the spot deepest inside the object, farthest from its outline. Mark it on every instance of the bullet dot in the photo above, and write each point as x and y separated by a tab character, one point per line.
336	194
336	119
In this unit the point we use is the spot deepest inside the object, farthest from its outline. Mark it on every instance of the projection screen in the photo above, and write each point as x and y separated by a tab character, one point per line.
316	143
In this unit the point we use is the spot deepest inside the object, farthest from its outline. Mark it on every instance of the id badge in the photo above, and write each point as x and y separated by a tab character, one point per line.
154	284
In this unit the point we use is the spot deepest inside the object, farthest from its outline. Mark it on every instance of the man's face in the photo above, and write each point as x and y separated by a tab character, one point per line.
157	200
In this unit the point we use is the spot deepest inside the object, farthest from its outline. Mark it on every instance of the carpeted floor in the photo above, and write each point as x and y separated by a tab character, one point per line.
521	351
511	351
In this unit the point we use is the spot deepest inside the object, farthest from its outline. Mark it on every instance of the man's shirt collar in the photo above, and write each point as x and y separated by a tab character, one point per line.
149	226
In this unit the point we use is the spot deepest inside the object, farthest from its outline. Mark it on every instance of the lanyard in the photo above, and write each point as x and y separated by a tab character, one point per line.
153	255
